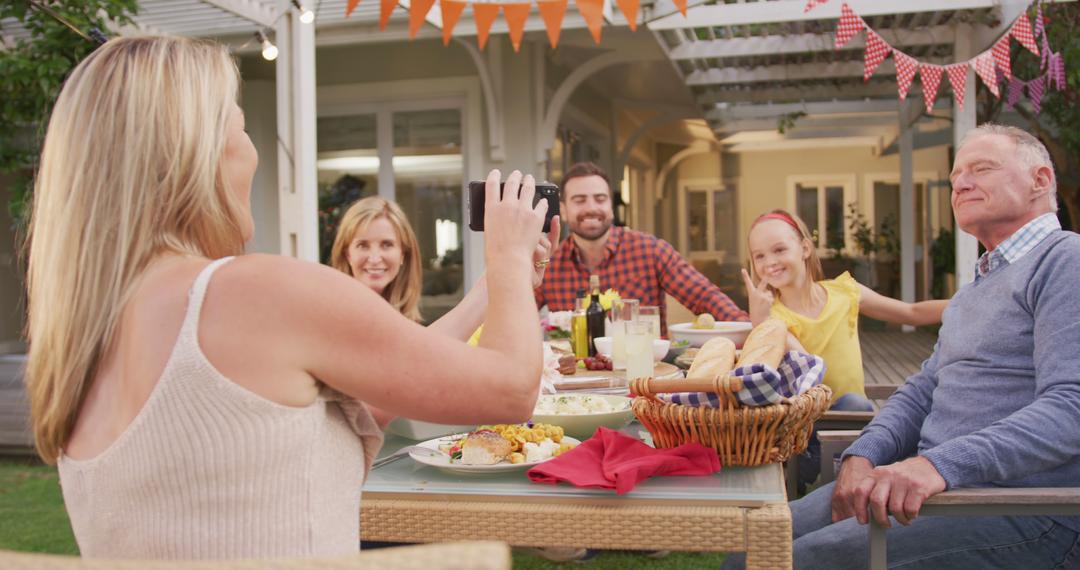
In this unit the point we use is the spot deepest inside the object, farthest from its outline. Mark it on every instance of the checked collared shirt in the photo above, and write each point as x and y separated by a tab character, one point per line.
638	266
1017	245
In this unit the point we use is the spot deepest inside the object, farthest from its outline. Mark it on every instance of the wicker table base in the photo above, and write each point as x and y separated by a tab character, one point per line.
760	532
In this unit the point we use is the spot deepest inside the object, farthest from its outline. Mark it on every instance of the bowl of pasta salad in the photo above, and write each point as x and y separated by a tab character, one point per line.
580	414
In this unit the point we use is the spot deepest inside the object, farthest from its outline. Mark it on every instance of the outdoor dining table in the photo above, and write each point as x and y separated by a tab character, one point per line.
736	510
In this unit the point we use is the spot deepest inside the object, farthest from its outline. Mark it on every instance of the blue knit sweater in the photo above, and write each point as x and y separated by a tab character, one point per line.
998	402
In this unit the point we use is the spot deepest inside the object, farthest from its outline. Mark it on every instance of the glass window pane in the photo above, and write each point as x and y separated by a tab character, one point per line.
725	220
428	179
806	207
696	221
347	169
834	217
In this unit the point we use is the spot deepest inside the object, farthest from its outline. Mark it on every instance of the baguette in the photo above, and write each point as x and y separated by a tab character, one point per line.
765	345
715	359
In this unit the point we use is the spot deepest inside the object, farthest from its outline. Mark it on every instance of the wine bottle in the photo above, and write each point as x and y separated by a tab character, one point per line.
594	315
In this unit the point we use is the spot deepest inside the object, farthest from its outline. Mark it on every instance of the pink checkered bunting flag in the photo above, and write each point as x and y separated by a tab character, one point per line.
984	68
811	4
1016	90
958	79
1057	71
849	25
930	75
1001	57
1036	88
1023	33
876	50
906	66
1040	25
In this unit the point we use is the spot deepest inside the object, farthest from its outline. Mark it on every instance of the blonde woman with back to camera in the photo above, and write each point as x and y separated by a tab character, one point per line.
206	406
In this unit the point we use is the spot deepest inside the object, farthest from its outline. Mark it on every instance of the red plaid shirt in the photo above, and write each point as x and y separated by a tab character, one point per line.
639	266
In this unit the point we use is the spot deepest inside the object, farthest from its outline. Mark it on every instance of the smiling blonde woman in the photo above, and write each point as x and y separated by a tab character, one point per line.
214	407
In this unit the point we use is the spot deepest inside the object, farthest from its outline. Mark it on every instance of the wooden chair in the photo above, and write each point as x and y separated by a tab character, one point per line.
995	501
457	556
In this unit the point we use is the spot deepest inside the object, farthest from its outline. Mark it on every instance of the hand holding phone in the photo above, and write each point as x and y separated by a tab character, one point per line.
544	191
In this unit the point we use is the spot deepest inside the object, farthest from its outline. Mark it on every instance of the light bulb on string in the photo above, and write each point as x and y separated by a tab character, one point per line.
306	16
269	50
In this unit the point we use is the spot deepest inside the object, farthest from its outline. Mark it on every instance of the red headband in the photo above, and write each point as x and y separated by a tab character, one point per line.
779	216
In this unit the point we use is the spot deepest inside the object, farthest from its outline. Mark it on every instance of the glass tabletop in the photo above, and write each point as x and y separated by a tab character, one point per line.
736	486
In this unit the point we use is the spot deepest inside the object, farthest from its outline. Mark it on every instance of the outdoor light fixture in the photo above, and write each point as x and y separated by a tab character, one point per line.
306	16
269	50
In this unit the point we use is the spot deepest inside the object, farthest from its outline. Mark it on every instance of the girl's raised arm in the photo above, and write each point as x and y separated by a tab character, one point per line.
877	306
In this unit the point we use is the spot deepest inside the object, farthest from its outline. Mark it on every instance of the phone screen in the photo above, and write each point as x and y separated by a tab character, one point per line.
544	191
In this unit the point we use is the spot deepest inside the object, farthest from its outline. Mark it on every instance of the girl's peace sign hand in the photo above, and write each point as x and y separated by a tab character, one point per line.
759	298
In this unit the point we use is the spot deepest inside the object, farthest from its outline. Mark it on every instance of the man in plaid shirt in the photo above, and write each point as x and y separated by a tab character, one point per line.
636	264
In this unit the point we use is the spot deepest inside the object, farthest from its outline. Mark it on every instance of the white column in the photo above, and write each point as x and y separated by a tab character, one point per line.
297	182
967	248
907	208
384	142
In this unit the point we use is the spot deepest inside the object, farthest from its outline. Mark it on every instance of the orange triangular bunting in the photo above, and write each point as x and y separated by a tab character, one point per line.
552	11
593	12
515	15
681	5
418	10
629	9
385	8
485	15
451	11
351	7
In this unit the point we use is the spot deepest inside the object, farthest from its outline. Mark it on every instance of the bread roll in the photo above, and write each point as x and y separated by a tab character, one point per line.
765	345
714	359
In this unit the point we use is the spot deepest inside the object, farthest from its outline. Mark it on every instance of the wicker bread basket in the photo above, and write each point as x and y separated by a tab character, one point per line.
741	435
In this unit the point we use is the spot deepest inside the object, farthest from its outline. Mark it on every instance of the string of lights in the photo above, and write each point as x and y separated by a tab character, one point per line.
269	50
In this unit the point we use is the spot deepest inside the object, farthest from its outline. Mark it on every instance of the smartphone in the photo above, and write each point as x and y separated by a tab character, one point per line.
544	191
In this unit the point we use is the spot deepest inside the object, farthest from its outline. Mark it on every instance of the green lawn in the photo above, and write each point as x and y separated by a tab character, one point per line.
32	509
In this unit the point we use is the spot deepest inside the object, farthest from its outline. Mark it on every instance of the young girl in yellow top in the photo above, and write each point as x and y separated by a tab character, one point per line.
821	313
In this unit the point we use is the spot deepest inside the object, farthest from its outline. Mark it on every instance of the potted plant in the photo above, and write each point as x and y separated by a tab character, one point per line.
877	249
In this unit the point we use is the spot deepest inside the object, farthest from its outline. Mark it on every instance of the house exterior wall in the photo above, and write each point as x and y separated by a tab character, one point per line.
762	177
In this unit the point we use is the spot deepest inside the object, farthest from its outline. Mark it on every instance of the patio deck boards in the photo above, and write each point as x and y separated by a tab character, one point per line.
889	357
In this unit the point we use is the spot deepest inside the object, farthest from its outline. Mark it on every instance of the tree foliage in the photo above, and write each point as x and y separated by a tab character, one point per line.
1056	124
33	66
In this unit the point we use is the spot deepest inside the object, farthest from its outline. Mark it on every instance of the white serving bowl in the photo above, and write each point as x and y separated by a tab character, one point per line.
604	345
660	346
420	431
582	426
735	330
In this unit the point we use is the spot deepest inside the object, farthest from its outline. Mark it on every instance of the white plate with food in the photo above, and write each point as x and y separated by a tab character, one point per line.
486	451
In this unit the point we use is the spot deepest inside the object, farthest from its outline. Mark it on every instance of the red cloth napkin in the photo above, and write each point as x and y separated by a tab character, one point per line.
612	460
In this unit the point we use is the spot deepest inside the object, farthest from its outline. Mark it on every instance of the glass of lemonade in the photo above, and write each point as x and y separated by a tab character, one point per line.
650	314
622	312
639	360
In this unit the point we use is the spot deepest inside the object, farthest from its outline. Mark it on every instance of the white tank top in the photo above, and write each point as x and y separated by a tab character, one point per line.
210	470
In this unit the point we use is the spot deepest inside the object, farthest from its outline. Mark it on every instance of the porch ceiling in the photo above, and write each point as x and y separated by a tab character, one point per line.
747	63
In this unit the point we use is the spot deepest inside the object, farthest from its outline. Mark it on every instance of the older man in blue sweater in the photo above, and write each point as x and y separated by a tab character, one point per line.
998	402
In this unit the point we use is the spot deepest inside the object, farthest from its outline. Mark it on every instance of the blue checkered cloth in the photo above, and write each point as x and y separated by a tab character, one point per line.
762	385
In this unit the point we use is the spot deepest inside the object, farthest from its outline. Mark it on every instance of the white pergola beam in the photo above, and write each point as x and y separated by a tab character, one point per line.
799	144
800	43
808	93
792	11
847	125
767	132
735	112
249	9
809	72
